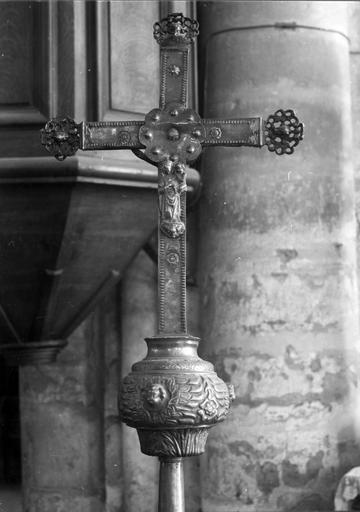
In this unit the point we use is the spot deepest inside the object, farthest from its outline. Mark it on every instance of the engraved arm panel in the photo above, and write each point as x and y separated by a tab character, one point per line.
233	132
111	135
174	76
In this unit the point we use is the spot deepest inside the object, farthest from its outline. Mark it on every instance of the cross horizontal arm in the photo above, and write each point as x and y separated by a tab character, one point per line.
233	132
62	137
281	132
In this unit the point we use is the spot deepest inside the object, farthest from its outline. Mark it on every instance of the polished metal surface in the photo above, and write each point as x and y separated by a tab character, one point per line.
171	485
173	397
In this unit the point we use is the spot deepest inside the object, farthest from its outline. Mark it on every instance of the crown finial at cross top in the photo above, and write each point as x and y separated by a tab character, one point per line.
176	28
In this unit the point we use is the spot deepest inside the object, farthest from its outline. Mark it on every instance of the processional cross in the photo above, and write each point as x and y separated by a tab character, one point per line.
173	397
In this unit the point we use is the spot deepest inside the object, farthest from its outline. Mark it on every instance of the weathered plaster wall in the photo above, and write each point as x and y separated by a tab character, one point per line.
138	320
354	31
62	428
278	259
110	338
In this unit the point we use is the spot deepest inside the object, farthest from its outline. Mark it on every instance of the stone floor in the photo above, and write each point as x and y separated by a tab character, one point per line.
10	499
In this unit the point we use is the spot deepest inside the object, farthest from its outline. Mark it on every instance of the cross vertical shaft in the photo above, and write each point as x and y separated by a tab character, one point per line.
174	57
171	256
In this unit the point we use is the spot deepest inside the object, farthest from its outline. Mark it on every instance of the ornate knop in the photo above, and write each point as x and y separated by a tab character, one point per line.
61	137
176	28
173	397
283	132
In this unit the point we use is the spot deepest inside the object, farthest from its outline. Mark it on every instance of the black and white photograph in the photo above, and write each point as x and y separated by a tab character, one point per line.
179	256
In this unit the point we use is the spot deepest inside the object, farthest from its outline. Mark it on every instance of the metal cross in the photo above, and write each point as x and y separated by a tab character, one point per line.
172	136
173	397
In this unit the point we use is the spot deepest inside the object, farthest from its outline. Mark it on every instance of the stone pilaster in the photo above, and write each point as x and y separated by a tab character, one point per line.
277	259
138	321
192	477
110	334
62	428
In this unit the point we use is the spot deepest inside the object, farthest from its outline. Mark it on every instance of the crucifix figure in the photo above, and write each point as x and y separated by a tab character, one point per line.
173	397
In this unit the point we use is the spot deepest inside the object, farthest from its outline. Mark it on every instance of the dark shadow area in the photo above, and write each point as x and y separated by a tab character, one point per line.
10	444
355	505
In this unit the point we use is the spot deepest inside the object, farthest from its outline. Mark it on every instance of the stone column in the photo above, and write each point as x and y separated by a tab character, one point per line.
277	259
62	428
354	19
